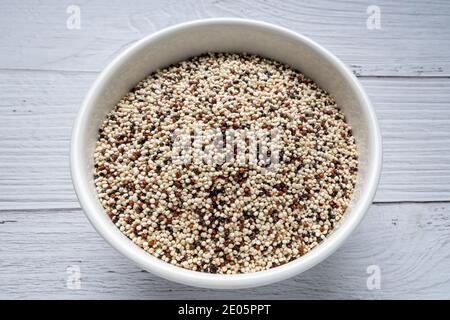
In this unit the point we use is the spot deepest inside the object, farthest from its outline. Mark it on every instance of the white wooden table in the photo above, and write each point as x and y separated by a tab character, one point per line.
46	69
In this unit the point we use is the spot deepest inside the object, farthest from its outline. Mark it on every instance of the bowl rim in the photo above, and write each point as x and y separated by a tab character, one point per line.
206	280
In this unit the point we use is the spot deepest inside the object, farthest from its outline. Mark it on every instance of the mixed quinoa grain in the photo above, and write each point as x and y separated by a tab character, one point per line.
229	217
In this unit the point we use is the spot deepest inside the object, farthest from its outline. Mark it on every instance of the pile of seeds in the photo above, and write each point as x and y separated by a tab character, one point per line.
231	217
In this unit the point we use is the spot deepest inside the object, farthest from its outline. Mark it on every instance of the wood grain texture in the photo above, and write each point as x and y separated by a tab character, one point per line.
46	69
413	39
410	244
38	109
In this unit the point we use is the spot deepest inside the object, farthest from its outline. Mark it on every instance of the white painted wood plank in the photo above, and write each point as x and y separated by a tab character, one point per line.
409	242
413	39
414	116
38	108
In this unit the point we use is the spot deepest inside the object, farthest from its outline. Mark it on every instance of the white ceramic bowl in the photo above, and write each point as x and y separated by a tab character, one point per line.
225	35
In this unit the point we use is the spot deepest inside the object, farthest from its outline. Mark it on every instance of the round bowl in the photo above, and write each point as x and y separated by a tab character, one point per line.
225	35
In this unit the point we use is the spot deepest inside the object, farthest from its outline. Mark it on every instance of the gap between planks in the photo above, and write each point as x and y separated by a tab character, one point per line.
75	209
97	72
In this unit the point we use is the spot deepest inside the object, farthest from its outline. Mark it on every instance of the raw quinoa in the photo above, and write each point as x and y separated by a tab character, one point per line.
230	217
